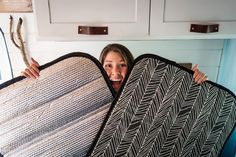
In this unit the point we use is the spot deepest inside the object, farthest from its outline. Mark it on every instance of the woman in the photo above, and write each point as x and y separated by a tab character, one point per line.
116	59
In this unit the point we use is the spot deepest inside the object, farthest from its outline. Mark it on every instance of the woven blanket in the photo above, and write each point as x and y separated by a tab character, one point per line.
162	112
60	113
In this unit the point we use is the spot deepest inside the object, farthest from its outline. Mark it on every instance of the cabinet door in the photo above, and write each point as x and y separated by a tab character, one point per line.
172	19
60	19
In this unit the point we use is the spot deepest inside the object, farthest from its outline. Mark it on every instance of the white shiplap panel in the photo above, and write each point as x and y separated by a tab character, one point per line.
201	57
207	53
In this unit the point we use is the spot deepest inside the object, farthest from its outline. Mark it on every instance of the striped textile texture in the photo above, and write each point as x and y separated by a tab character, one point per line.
162	112
60	113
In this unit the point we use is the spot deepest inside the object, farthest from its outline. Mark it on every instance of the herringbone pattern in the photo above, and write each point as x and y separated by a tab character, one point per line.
162	112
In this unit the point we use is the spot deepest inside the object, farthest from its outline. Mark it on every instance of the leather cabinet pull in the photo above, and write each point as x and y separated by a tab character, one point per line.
91	30
204	28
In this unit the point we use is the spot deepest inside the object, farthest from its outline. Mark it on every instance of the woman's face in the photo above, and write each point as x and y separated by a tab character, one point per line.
116	68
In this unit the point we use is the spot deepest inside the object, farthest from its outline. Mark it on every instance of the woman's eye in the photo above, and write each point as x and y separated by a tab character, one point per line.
123	65
108	65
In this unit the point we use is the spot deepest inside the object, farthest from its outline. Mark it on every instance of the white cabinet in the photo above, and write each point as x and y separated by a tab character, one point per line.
60	19
172	19
133	19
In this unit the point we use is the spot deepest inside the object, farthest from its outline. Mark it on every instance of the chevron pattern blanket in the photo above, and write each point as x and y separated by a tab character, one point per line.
58	114
162	112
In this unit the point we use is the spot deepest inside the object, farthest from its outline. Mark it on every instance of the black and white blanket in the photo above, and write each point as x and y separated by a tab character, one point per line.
162	112
72	110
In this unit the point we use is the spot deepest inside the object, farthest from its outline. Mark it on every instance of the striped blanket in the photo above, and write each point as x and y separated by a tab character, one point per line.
58	114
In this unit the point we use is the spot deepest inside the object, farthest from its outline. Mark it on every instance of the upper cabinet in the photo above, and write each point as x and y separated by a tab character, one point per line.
133	19
90	19
172	19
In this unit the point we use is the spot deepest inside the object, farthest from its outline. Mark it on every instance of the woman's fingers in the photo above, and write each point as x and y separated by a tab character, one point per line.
195	67
195	70
198	76
23	73
34	68
32	71
203	79
34	62
27	73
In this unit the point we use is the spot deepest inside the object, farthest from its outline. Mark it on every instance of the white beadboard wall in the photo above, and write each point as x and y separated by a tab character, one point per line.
206	53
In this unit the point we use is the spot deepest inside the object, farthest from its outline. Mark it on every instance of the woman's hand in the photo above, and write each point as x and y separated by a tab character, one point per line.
32	71
198	76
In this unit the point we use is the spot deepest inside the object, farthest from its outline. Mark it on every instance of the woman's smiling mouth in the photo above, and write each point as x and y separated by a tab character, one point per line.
116	84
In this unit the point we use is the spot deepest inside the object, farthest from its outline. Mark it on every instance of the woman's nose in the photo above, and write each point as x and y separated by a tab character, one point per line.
116	70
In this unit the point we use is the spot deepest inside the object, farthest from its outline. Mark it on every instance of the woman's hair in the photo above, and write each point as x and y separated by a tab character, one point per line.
122	50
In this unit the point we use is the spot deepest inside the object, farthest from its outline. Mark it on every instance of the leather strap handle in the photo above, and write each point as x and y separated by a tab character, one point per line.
204	28
91	30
